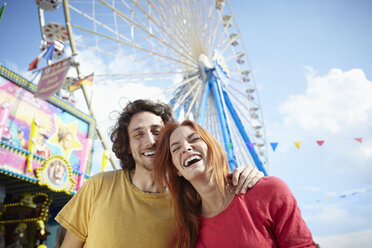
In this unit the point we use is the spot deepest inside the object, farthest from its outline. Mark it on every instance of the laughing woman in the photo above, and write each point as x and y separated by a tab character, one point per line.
208	213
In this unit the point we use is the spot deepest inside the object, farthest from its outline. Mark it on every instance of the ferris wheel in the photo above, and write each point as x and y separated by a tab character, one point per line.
192	48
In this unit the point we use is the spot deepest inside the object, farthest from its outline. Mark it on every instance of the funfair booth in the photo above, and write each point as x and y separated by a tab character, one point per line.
45	157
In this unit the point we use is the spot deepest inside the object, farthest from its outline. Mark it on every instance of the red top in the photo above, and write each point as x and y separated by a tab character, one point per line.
266	216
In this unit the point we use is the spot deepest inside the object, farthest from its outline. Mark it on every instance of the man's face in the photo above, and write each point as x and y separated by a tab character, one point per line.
143	130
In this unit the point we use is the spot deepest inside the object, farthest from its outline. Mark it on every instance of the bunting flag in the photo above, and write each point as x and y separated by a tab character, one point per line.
88	80
343	196
251	145
320	142
298	144
105	160
47	54
33	64
2	11
229	145
274	145
359	139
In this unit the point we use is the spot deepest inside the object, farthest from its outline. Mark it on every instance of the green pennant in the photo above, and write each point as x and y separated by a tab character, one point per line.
2	10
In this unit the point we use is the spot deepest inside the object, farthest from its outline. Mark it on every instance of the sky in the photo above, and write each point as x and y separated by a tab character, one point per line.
312	64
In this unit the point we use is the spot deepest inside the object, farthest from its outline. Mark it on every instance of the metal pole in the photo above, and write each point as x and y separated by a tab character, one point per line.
87	100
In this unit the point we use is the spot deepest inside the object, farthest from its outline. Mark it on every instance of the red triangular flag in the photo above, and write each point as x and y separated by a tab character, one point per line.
320	142
359	139
33	64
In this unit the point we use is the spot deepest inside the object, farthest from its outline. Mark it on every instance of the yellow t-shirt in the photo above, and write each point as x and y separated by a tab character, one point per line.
108	211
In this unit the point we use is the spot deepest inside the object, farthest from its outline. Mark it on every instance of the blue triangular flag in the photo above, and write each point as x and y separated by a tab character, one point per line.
274	145
48	55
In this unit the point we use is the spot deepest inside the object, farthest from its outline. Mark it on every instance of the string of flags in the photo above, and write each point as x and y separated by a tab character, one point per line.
298	144
342	196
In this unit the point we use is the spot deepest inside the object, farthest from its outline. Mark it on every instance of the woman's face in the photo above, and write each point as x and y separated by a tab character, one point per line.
189	152
66	141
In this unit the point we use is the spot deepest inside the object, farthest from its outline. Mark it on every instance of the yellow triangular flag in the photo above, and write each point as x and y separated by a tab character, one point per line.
105	159
298	144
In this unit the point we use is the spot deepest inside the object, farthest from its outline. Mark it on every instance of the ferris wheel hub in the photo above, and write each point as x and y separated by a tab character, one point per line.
205	64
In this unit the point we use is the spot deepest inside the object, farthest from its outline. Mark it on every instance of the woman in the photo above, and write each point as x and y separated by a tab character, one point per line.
65	138
208	213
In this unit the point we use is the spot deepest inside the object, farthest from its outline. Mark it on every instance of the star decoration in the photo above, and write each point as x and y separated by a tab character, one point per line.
65	137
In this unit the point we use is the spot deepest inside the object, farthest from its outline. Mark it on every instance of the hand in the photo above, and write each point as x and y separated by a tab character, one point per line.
245	177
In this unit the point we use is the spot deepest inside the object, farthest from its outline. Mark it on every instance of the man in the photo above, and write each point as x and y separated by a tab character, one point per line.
123	208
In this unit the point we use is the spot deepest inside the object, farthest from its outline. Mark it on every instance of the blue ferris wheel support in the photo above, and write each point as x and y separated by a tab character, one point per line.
216	91
213	83
221	98
243	133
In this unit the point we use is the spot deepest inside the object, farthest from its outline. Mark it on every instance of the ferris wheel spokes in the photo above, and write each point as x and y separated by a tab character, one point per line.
161	41
147	31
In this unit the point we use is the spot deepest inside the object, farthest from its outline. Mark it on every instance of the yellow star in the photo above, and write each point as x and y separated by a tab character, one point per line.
65	137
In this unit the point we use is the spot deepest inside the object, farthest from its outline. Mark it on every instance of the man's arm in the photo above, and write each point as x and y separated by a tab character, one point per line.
245	177
71	241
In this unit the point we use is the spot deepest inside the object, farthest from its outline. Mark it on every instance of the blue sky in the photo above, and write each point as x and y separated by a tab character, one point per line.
312	64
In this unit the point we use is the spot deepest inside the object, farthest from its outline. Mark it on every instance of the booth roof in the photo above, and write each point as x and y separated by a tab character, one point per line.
17	187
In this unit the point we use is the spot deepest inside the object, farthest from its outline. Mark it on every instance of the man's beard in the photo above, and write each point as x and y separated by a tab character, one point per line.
145	166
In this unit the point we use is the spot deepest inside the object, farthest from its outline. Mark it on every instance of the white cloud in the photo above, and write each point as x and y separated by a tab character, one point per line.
90	62
332	103
312	189
336	216
359	239
109	99
336	107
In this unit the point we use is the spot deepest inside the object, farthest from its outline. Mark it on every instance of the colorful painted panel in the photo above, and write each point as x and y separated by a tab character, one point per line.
37	129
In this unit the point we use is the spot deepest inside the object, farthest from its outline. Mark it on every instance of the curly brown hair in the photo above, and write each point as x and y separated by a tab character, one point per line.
119	134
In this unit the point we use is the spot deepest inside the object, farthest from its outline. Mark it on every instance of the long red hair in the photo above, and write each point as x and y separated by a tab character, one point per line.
185	199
